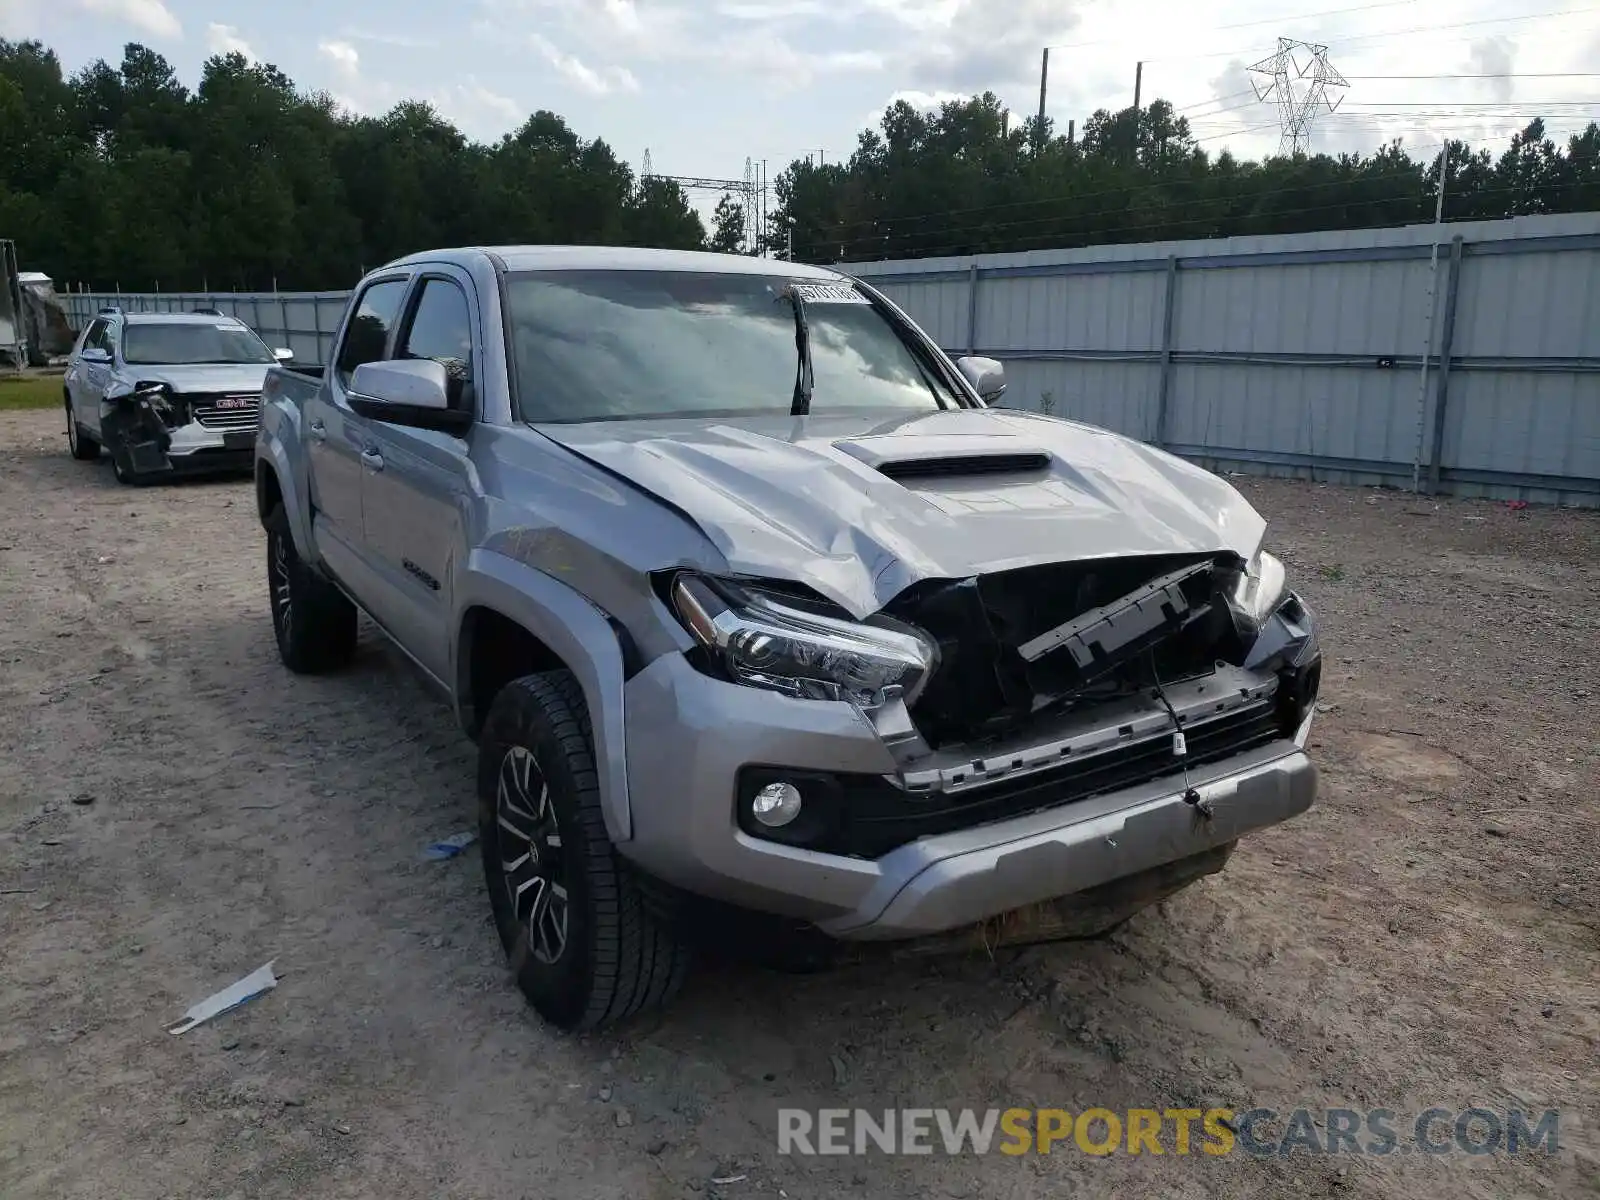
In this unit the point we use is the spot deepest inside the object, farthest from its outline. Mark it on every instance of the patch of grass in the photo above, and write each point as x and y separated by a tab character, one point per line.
1333	574
29	391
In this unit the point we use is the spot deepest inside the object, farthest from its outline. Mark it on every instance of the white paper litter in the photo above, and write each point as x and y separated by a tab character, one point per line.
252	985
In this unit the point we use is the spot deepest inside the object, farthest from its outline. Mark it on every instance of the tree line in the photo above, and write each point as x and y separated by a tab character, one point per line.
120	176
967	180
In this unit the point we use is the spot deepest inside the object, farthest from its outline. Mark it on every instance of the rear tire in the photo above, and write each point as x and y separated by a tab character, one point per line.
82	444
585	947
314	622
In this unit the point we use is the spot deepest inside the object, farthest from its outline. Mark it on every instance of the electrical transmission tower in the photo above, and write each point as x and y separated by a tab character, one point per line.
1300	78
751	192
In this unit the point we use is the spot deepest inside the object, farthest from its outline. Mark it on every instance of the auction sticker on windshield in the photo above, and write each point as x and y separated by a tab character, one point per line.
828	293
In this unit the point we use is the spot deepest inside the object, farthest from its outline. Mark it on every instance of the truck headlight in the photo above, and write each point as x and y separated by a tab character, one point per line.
762	642
1258	590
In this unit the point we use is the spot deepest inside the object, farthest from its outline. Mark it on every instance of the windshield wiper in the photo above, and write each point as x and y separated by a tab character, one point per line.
803	379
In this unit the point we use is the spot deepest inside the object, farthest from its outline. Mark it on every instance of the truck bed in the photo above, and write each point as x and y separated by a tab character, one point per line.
295	384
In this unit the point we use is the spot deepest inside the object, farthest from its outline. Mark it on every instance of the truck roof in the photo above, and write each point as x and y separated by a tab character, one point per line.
620	258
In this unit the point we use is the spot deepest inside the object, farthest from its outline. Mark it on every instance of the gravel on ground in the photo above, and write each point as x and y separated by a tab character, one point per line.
176	810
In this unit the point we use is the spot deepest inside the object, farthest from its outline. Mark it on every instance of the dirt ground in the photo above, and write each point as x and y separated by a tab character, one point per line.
176	809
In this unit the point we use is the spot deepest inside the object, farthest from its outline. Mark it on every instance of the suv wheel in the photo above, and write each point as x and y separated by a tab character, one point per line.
314	622
84	448
126	475
583	945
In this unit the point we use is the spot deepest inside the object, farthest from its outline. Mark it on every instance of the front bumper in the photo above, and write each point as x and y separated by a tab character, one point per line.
690	736
138	439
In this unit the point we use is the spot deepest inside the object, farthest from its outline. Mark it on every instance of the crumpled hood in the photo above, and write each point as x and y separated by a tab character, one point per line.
804	498
203	377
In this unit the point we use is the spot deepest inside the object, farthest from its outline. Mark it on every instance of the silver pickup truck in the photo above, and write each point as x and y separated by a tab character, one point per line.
768	619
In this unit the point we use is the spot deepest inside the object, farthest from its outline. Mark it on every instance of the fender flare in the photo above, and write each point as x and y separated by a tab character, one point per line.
271	455
577	632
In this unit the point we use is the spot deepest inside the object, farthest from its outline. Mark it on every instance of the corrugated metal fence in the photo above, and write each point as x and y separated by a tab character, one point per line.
1303	355
1299	355
305	322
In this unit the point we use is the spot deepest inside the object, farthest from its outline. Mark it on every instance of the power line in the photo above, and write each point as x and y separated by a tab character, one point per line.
1344	41
1215	100
1494	75
1237	132
1331	12
1469	104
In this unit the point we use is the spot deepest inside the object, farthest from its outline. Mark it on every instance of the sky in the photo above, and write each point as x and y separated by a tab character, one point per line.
705	85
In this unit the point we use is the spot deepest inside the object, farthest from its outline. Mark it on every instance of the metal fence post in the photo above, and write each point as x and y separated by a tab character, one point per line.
316	326
1164	388
1447	336
972	309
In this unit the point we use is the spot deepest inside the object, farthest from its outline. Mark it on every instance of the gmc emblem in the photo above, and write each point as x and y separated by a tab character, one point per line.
236	401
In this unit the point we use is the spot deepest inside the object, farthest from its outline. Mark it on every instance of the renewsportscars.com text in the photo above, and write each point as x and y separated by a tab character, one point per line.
1259	1132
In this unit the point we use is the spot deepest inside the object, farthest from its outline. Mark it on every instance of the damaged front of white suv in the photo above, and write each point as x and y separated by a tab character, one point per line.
180	394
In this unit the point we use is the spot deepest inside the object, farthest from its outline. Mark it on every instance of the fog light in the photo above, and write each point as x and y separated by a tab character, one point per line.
776	804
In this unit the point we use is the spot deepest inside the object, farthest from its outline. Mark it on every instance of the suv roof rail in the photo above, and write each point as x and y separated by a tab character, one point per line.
208	312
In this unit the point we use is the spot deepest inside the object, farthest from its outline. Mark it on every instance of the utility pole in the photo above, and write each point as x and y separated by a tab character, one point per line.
1433	308
1138	83
1044	83
1072	129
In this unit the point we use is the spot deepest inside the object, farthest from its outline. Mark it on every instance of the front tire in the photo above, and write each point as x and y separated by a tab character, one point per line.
83	446
314	622
583	945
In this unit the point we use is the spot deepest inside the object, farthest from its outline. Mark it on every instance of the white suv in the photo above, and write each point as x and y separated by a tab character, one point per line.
166	393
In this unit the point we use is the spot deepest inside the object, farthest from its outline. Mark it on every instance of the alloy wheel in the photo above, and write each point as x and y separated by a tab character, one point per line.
529	845
282	594
72	432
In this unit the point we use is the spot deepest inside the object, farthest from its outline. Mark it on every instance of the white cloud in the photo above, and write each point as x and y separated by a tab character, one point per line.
345	58
597	81
225	39
475	107
744	40
982	45
1494	56
402	40
152	16
919	100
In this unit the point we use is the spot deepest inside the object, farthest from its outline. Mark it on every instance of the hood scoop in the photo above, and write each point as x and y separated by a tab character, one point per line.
964	465
944	457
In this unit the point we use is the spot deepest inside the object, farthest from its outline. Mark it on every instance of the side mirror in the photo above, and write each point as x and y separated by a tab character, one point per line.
987	377
283	354
93	354
410	391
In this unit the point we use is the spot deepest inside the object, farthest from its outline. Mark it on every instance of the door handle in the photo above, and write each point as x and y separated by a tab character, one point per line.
373	459
319	431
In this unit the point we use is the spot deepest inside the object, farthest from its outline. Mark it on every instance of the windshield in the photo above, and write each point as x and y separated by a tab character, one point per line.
609	345
191	342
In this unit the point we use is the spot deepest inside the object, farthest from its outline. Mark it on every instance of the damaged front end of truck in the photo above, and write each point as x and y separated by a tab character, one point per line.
1040	686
